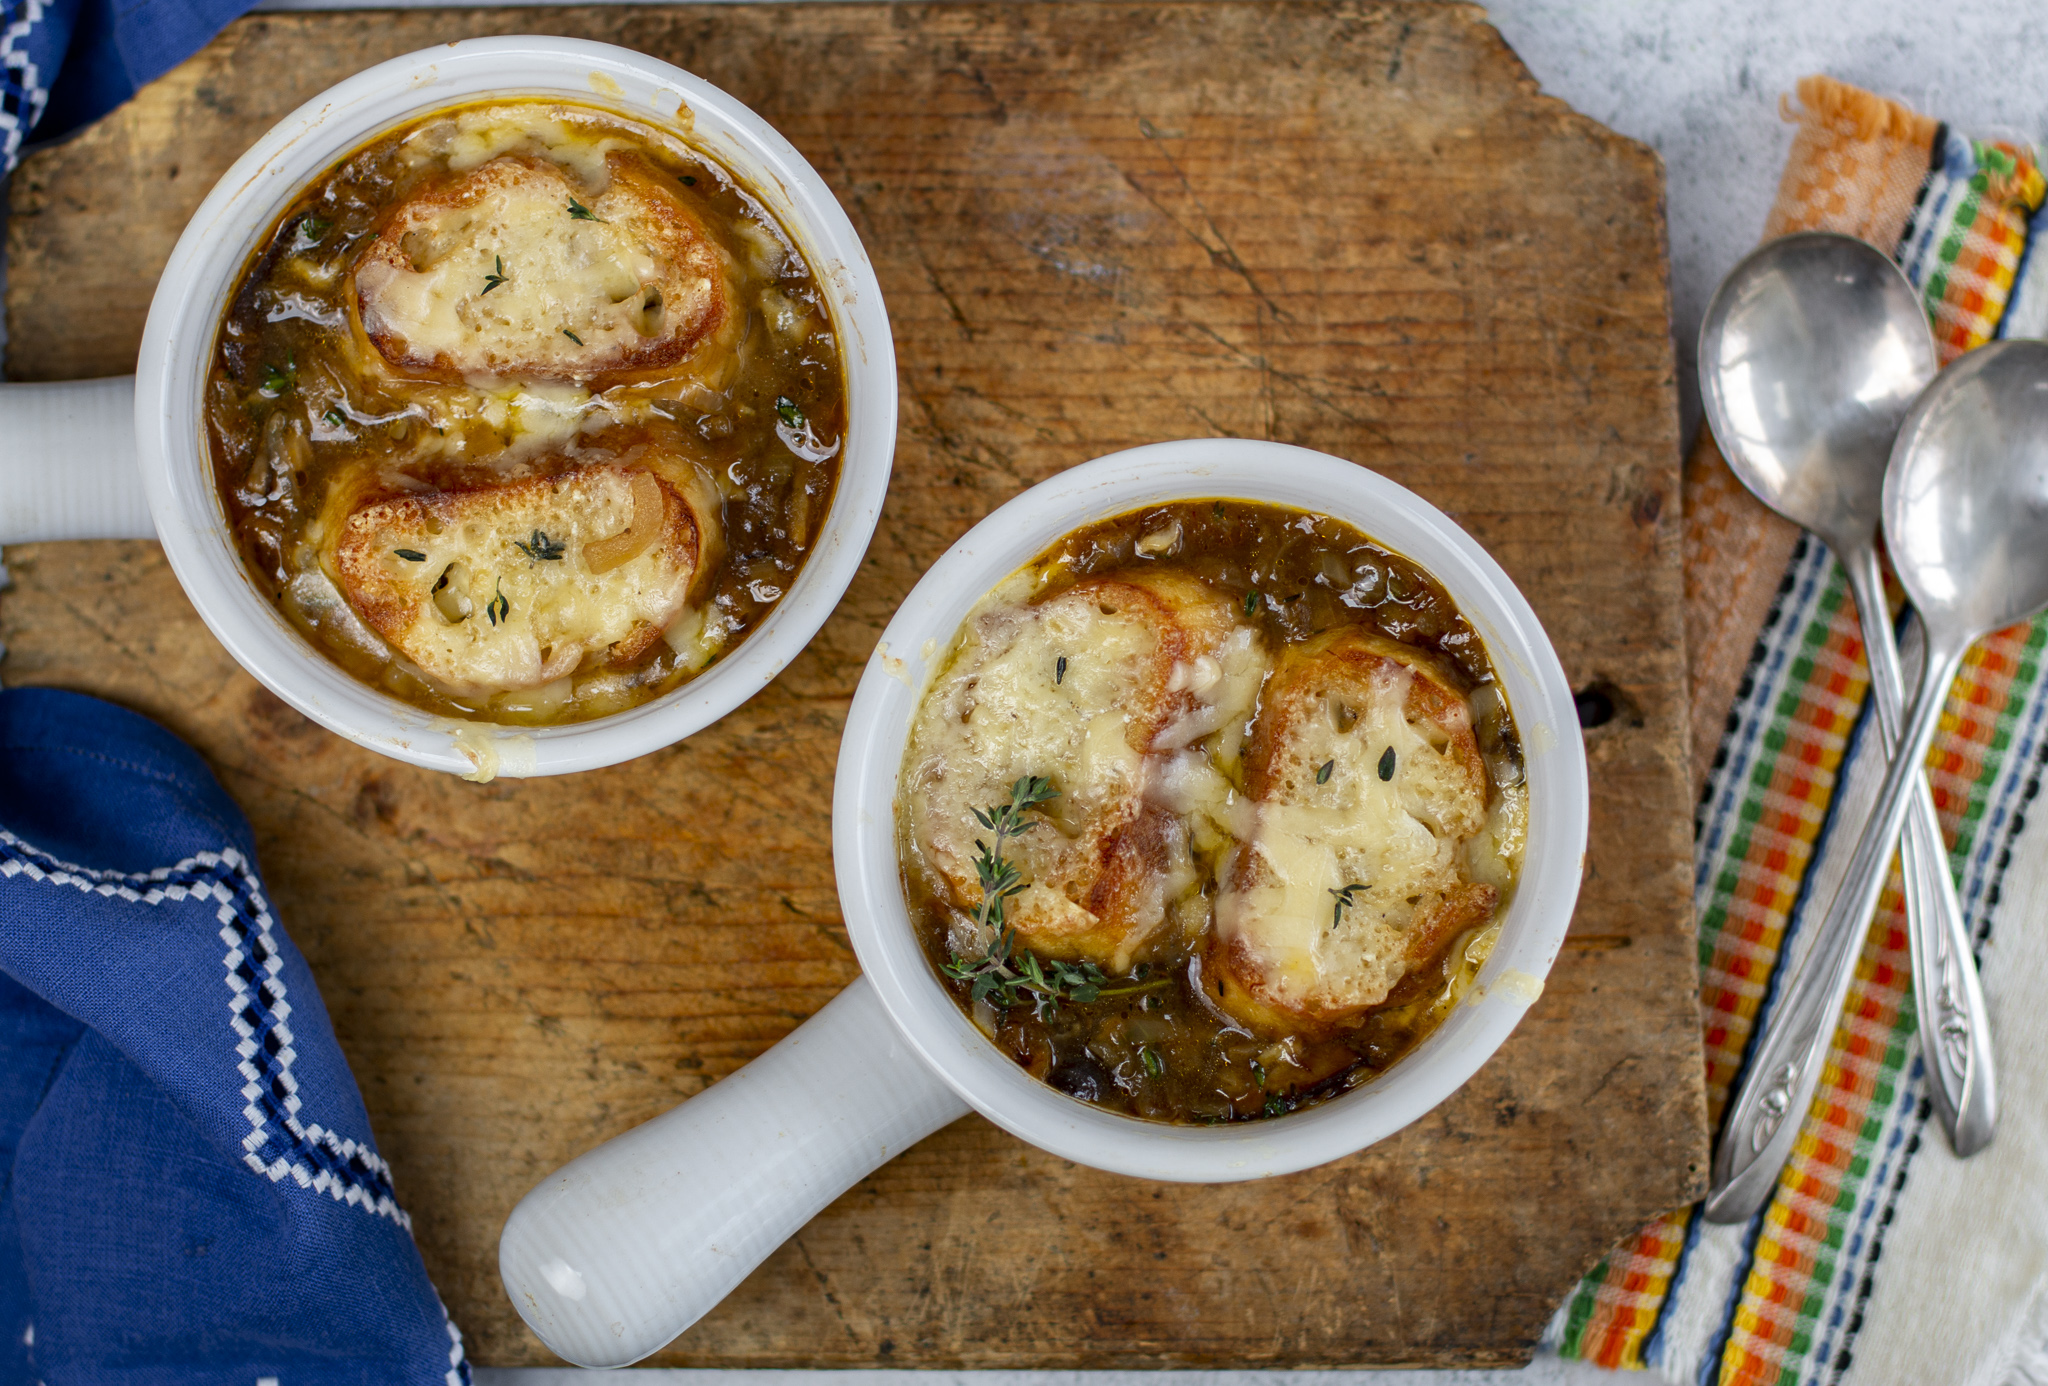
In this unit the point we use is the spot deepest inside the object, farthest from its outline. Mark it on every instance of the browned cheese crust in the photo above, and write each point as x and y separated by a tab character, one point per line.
492	274
1103	864
1283	958
514	584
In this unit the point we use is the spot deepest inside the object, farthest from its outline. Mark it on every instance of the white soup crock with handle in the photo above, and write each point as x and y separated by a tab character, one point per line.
631	1243
127	457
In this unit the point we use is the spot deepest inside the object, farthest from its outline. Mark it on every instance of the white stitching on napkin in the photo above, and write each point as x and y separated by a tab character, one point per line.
458	1370
316	1158
24	107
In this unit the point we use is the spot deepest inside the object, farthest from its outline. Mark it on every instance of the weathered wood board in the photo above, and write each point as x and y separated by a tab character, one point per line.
1356	227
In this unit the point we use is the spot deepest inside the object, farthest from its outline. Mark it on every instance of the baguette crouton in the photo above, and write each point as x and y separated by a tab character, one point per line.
1366	781
514	270
1094	688
515	584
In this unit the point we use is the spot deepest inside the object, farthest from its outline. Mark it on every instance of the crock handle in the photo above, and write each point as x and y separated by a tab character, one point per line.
629	1244
67	462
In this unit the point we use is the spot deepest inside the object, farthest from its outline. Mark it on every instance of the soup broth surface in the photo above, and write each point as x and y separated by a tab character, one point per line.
1135	1023
309	422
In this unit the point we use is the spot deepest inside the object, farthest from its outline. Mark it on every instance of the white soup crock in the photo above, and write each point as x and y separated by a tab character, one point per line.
629	1244
70	466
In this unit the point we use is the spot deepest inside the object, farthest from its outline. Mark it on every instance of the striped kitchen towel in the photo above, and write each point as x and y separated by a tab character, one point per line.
1881	1258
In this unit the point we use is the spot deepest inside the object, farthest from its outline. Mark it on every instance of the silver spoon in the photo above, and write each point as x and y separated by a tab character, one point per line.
1812	351
1966	521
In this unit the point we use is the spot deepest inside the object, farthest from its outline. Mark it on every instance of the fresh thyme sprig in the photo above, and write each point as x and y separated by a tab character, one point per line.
1006	978
582	213
1003	976
497	275
999	879
499	609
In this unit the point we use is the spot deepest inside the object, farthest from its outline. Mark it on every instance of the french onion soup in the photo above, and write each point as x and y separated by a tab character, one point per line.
526	412
1211	811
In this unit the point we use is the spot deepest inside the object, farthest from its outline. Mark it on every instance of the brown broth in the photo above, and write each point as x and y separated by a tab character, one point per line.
294	410
1165	1052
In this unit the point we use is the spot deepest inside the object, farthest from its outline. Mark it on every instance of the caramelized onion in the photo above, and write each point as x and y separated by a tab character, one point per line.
650	514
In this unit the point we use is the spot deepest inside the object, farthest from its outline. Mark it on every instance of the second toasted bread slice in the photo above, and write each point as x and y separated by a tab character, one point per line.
515	270
513	585
1093	689
1367	781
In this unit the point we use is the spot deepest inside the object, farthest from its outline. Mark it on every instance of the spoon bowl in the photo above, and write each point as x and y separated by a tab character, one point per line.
1965	503
1966	498
1811	352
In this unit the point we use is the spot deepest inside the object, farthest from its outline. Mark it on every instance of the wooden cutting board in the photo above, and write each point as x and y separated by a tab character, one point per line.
1352	226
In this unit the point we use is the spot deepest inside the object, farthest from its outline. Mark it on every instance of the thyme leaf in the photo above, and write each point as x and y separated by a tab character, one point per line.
540	548
582	213
786	410
1003	976
1387	764
999	879
278	379
499	609
411	555
572	336
1323	771
497	275
1344	899
311	229
1007	978
1253	600
334	418
1059	670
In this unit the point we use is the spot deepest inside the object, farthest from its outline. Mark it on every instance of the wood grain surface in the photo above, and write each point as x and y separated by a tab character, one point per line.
1353	226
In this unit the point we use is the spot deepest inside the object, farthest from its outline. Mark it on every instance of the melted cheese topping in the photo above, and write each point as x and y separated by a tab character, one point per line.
1399	839
1081	689
479	613
503	276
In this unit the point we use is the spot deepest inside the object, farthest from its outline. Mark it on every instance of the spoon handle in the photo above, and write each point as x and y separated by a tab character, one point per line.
1784	1068
1955	1033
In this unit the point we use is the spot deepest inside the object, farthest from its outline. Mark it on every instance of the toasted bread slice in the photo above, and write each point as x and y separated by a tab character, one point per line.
1366	779
515	270
1093	688
516	584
